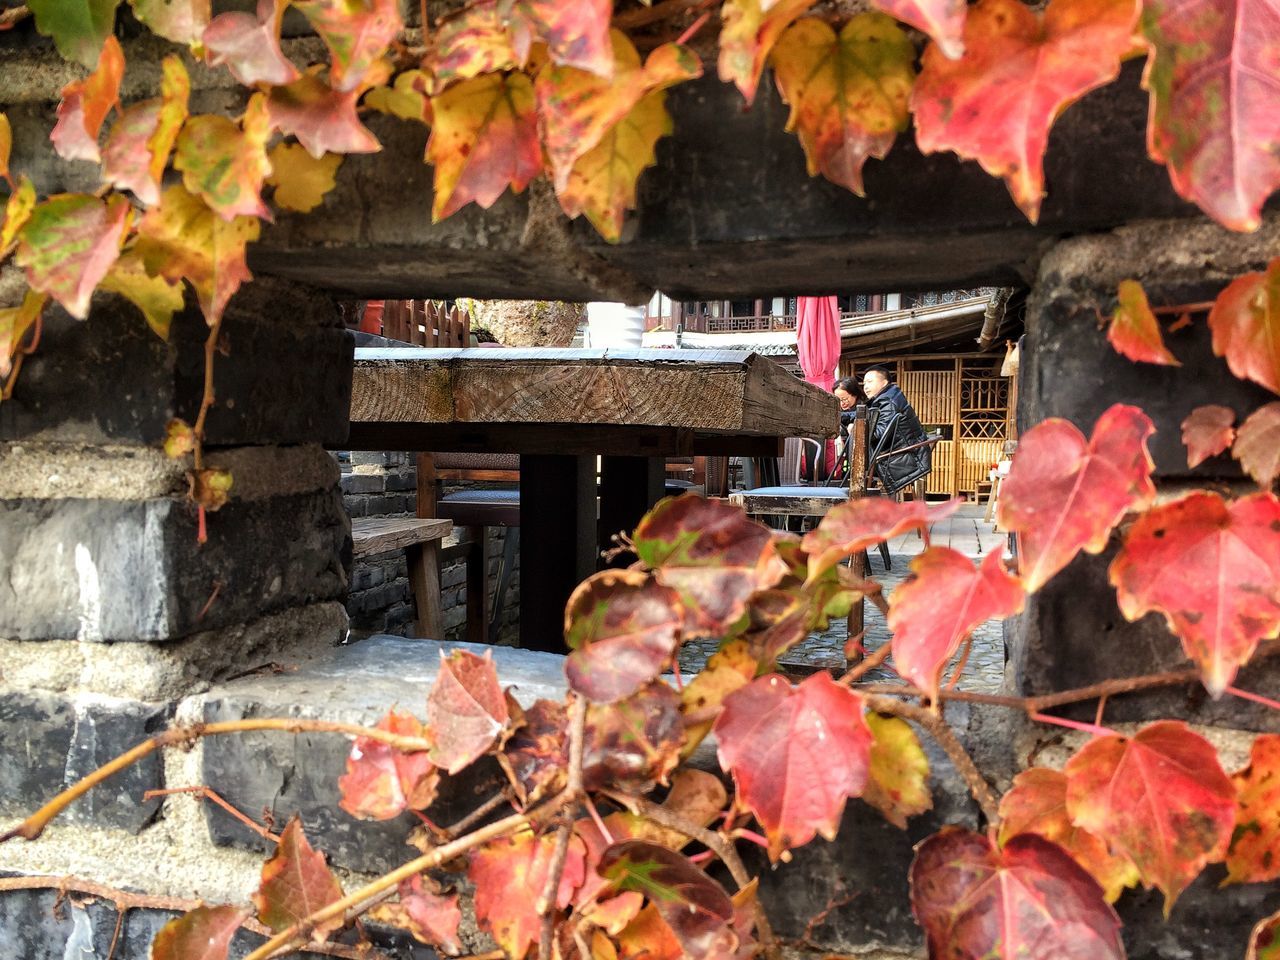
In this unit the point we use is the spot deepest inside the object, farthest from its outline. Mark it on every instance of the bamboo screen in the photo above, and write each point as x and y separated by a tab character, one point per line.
932	393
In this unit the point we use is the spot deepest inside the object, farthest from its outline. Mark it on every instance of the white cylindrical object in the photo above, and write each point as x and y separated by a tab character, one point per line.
615	325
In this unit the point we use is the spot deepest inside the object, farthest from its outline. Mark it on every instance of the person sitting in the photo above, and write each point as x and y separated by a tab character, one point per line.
896	426
849	396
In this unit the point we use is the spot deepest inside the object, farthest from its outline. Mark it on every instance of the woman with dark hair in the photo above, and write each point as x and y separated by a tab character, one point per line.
849	396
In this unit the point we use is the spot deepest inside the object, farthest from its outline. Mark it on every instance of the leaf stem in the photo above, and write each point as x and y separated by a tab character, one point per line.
1092	728
868	663
1254	697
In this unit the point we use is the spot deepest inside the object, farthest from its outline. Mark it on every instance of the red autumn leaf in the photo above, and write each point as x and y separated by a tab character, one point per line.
225	162
296	882
1159	797
509	875
85	105
203	934
695	907
1019	71
1206	432
1212	78
1253	857
1245	323
1026	900
465	709
796	754
852	527
323	120
576	34
69	243
711	554
1264	940
1037	803
356	33
947	600
1134	331
1064	495
250	45
182	21
1258	445
432	918
536	756
137	148
942	20
382	782
848	91
1212	567
623	628
898	777
484	138
751	28
634	743
469	42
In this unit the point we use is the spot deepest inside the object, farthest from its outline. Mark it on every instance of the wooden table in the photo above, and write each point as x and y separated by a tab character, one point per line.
560	409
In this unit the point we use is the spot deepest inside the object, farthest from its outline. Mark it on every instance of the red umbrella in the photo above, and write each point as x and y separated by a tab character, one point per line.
818	339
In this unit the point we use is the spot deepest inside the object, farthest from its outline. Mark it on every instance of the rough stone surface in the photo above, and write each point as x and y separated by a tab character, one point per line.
133	570
48	742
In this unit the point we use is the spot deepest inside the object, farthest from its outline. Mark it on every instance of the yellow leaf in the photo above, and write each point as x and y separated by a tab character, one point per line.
156	297
750	30
179	438
226	164
17	211
210	488
6	145
405	100
301	181
898	779
14	324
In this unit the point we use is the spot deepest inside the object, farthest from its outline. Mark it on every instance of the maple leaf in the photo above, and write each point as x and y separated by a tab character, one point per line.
1252	855
1027	899
848	92
942	20
78	27
1134	332
1264	939
1211	75
728	669
85	105
472	41
1257	445
509	875
851	527
323	120
250	45
17	211
1159	797
357	33
1019	71
796	754
1064	495
576	34
431	918
225	163
183	239
750	29
465	709
623	628
1037	803
536	756
1245	323
1212	567
382	782
301	180
898	773
947	600
14	324
203	934
694	906
711	554
406	99
158	299
1207	432
296	882
68	245
634	743
484	138
137	148
182	21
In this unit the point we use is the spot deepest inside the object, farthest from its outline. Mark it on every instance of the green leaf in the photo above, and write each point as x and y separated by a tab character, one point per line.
78	27
226	164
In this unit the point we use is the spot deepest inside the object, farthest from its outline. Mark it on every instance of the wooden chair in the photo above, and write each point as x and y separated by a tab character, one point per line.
420	540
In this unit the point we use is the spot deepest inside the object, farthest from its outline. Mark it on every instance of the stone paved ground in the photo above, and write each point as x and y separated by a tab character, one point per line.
965	531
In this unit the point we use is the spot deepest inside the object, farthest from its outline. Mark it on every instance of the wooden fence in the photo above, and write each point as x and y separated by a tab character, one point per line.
426	323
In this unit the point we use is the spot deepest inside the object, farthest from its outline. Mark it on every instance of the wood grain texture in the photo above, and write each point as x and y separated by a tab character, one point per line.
370	535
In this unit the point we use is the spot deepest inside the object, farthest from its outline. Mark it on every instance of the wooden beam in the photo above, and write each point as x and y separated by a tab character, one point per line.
371	535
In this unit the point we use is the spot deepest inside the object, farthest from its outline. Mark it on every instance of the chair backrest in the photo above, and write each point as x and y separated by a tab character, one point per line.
789	468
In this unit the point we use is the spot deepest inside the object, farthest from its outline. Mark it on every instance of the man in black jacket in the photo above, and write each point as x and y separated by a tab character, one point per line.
896	426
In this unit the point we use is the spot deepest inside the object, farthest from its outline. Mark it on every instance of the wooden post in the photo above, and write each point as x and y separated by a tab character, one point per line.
557	542
629	487
857	490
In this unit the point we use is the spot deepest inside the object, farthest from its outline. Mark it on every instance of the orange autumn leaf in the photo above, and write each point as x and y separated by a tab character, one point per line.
484	138
357	33
1213	120
85	104
225	162
942	20
69	243
750	30
1245	323
296	882
323	120
6	146
203	934
1134	331
137	148
1212	567
1019	71
465	709
1252	857
1206	432
381	781
431	917
858	524
1064	494
250	45
469	42
848	92
1257	445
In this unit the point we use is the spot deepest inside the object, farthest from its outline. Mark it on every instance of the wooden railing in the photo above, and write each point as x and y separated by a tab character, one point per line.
426	323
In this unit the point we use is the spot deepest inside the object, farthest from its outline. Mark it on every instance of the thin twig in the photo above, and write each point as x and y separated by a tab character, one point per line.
115	934
207	397
476	815
207	793
1202	307
546	905
868	663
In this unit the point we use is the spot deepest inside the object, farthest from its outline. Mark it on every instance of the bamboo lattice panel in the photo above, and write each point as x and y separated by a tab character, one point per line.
975	462
932	394
942	478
